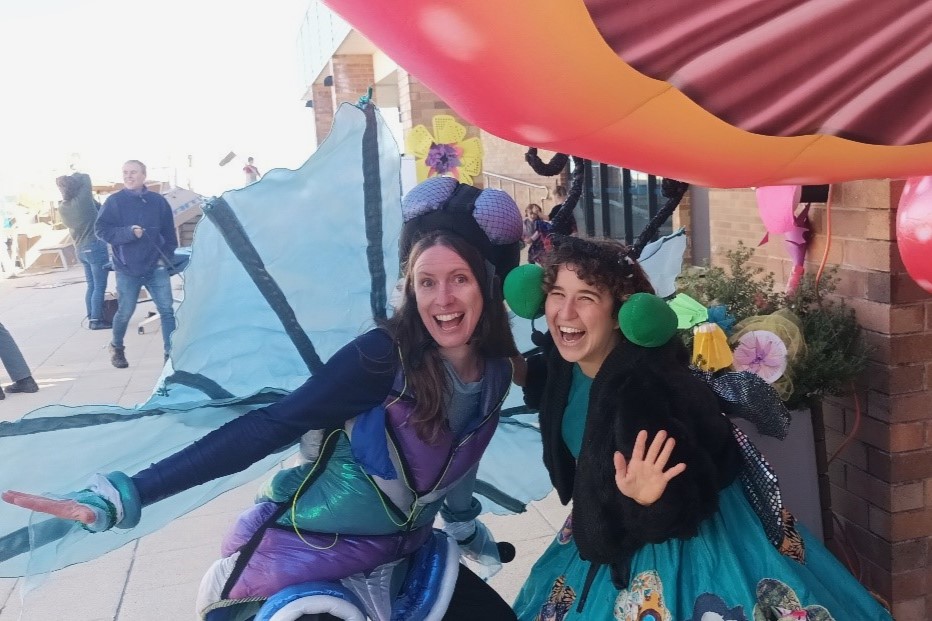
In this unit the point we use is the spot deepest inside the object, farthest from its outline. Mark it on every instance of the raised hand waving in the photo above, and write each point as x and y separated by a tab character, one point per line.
643	478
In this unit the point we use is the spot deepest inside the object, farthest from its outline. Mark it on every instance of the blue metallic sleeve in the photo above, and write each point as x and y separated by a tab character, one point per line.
354	380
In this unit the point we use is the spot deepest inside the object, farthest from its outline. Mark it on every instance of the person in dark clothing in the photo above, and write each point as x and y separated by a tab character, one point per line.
15	364
78	211
139	225
677	529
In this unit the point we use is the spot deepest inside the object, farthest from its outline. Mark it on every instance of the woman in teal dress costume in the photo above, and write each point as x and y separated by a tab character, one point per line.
669	532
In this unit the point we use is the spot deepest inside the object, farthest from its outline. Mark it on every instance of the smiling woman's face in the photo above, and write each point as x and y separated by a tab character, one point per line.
448	296
581	321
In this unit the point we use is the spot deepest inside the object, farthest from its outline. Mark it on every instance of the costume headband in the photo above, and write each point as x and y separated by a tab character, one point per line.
644	318
488	219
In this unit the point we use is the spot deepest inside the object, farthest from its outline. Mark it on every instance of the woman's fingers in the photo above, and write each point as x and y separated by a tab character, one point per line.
655	446
676	470
640	442
65	509
664	456
621	466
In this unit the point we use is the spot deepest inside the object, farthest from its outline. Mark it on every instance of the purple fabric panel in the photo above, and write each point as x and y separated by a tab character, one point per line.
282	559
468	455
424	461
858	69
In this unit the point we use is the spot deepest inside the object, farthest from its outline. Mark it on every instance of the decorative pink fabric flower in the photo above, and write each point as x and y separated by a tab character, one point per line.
763	353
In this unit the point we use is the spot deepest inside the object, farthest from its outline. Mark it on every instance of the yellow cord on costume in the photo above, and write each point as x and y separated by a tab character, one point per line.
404	376
417	510
294	502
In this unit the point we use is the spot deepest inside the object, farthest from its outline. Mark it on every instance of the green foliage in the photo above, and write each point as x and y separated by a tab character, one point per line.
835	352
745	289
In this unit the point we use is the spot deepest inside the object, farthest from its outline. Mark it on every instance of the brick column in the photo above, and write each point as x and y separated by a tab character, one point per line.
352	76
323	110
419	105
881	483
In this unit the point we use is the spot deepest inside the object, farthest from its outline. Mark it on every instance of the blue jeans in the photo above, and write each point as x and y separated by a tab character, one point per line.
93	255
11	357
160	289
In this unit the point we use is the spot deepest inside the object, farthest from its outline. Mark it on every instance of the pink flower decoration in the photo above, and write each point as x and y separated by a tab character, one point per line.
763	353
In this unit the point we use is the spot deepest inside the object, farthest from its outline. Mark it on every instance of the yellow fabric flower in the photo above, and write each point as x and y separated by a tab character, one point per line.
446	152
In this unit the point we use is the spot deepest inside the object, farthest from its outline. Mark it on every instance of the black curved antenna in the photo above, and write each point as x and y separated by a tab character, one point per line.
673	191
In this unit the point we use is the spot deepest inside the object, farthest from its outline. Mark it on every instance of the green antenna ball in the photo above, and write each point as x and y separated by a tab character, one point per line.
524	290
647	320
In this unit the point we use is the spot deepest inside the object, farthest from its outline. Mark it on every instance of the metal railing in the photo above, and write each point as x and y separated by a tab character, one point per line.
523	192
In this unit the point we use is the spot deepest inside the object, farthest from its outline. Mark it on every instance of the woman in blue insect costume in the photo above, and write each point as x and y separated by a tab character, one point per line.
675	516
391	431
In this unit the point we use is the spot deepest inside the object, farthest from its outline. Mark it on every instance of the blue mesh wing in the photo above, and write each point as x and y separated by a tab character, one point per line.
249	330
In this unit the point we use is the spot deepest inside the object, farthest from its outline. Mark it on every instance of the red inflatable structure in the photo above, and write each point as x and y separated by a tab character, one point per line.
718	93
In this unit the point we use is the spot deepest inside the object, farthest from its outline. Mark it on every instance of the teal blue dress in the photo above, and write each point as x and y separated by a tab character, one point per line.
729	571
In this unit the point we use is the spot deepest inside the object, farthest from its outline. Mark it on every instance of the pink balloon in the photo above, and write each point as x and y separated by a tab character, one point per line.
914	230
777	204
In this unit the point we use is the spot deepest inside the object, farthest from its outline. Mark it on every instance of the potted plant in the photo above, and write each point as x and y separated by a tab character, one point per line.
828	360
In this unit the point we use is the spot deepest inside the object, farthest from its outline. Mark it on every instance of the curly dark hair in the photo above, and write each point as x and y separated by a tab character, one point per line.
602	263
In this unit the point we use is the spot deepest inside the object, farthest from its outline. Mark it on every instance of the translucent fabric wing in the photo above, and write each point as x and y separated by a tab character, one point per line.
289	285
282	274
320	260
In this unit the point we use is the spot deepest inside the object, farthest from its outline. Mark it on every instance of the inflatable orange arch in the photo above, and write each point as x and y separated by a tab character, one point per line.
544	73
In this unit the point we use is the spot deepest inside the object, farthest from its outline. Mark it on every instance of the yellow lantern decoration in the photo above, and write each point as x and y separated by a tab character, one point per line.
446	152
711	351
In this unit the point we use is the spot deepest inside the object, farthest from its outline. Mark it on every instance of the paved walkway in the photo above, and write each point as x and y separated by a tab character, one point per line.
156	577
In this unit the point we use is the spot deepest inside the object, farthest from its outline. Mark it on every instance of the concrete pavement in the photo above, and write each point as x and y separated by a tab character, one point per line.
156	577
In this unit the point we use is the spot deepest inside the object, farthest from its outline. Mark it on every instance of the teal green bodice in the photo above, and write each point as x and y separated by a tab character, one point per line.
577	406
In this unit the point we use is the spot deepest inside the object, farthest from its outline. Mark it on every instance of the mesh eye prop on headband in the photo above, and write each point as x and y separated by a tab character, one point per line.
488	219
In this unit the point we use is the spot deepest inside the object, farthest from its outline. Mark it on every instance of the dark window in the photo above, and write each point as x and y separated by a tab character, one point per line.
618	202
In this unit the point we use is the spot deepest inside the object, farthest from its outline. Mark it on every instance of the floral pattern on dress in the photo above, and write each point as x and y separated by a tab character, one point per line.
711	607
559	603
642	600
566	533
778	602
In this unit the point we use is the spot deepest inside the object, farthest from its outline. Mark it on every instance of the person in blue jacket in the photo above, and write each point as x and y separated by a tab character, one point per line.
139	225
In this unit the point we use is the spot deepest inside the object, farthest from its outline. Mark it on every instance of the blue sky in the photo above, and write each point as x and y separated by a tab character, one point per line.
110	80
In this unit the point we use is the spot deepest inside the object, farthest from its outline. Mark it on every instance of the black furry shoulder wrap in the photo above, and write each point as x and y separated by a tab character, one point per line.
636	388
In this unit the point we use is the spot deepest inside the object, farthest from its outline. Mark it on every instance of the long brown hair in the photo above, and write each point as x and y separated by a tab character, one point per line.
423	367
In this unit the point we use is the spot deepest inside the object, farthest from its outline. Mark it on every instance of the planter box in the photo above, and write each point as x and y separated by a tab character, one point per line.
794	461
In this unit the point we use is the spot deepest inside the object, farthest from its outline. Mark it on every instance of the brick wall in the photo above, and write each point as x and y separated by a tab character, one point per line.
419	106
881	484
323	110
352	76
507	159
